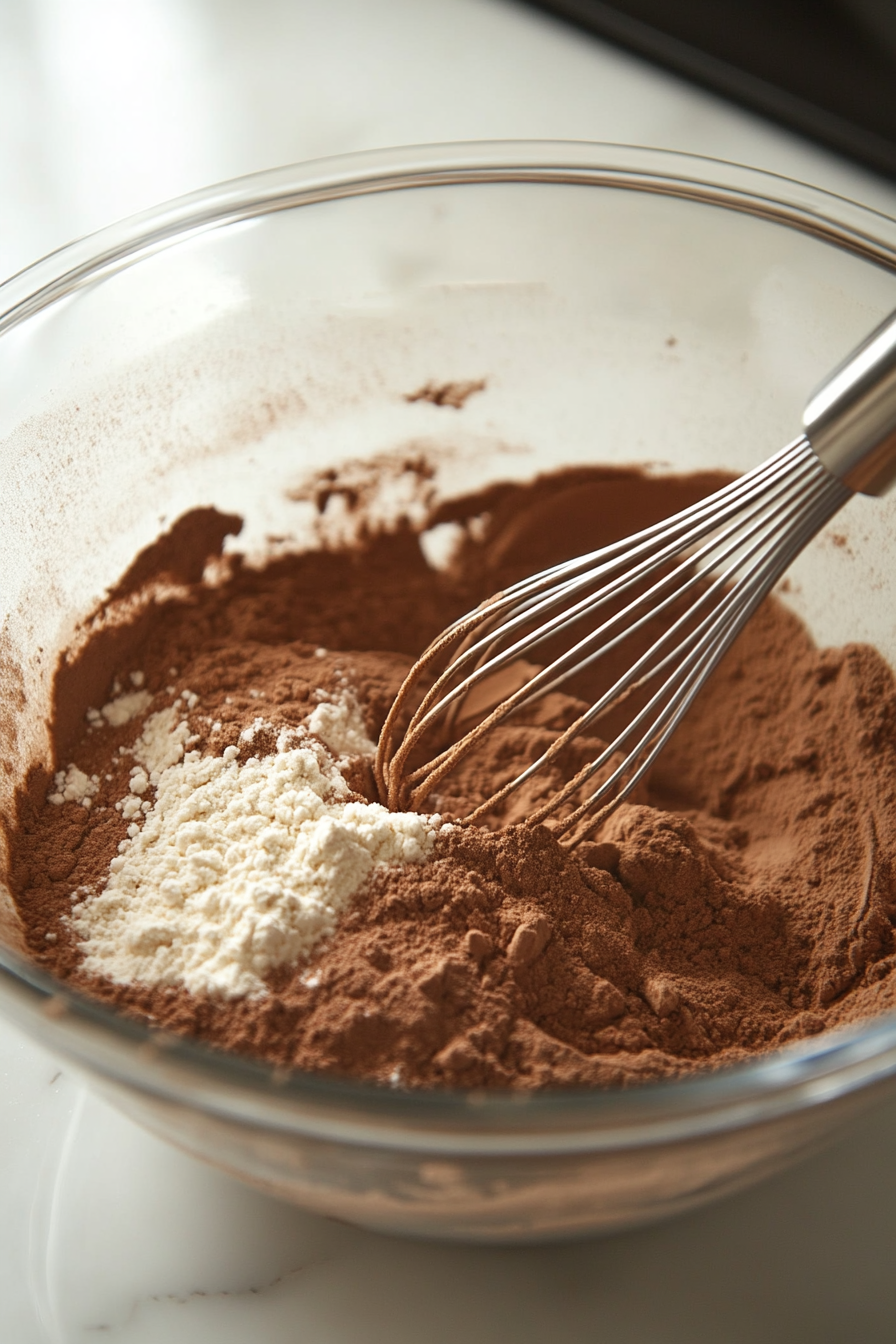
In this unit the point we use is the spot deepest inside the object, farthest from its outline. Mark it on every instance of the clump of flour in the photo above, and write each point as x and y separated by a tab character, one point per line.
74	786
237	868
122	708
339	723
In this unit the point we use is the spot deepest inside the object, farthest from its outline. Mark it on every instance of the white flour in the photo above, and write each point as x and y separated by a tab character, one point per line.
237	868
340	723
73	786
120	710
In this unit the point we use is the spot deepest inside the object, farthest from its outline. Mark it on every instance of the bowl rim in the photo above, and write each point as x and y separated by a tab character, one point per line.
861	229
180	1071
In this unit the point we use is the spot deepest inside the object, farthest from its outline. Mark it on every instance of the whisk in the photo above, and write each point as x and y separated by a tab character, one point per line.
697	577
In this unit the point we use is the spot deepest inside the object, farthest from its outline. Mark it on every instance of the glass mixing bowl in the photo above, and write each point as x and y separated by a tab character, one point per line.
624	305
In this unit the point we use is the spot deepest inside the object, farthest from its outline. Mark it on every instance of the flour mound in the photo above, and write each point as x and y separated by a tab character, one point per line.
238	868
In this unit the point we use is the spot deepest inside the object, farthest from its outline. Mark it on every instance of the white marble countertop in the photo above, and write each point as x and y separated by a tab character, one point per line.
107	107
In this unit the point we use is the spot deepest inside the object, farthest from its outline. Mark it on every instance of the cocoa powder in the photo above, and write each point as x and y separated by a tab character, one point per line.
745	898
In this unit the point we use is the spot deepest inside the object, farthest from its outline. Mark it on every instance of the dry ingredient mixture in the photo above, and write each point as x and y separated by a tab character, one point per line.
209	855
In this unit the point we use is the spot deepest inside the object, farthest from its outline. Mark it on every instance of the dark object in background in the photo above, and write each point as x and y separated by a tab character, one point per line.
823	67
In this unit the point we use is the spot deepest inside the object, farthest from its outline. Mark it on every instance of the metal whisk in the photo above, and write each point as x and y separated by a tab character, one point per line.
696	578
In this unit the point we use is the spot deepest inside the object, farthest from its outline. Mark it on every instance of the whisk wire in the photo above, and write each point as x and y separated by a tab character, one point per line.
522	596
440	701
693	578
717	629
711	651
725	552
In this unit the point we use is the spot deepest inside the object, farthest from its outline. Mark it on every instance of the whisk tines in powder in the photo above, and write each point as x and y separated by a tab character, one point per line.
673	597
691	582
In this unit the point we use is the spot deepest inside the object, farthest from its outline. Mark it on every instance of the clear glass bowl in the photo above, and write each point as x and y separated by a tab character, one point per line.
624	305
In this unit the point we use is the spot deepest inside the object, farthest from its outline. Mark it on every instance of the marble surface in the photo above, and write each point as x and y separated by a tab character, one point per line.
112	1235
108	106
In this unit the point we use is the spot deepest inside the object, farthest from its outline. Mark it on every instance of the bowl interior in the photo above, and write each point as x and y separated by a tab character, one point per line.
229	369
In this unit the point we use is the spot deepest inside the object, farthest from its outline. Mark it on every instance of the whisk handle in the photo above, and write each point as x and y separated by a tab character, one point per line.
850	420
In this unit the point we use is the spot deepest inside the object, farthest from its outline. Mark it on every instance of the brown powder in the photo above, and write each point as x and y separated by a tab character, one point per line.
747	897
455	395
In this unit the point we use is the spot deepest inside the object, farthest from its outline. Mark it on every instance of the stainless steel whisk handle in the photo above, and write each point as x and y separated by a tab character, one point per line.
850	420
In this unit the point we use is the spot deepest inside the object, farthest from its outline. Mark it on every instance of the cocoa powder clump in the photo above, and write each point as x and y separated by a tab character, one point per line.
745	897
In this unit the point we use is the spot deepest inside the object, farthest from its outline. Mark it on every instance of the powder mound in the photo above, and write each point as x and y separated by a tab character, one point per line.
216	863
238	869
